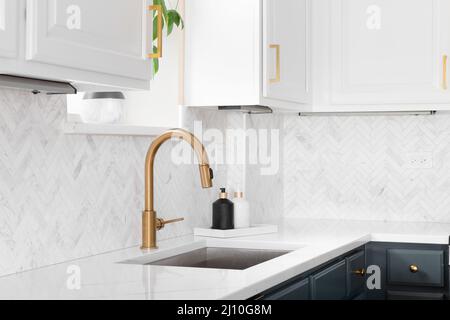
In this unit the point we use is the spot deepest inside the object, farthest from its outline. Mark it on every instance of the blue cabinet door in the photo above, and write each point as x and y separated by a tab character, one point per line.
330	283
298	290
356	280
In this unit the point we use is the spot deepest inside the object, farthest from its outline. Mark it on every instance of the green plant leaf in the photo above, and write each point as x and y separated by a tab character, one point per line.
170	19
155	63
164	8
174	19
170	23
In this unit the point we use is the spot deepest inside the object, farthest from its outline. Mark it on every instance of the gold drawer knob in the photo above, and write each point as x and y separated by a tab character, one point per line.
413	268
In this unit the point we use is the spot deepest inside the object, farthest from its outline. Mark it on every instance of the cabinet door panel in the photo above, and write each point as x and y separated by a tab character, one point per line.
286	53
295	291
106	36
386	51
330	284
8	28
223	43
355	281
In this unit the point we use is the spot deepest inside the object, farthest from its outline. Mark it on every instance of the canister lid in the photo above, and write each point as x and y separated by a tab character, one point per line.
223	193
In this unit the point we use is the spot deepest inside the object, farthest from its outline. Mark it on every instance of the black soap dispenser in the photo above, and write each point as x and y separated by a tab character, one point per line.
223	212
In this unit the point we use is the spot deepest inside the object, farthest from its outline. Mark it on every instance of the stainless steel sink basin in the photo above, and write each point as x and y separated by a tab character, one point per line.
220	258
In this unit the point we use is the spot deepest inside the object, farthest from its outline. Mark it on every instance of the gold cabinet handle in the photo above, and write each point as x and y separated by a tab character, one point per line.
158	54
278	63
444	72
360	272
413	268
161	223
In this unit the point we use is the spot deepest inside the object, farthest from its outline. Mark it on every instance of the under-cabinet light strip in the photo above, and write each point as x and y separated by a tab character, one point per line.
380	113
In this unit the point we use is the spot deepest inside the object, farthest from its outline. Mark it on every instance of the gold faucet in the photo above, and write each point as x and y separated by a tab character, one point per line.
150	223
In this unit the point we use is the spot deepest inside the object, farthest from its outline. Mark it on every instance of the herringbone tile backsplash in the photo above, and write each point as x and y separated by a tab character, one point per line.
358	168
64	197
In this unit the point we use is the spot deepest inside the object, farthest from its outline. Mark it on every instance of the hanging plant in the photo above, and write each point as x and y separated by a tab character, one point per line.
171	18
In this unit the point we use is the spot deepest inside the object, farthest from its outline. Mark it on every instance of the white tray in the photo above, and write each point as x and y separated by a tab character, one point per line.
234	233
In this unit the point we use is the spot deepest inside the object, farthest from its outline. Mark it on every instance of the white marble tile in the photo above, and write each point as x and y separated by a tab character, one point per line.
356	168
64	197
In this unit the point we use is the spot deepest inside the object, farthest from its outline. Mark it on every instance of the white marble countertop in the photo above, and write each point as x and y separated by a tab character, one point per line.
313	242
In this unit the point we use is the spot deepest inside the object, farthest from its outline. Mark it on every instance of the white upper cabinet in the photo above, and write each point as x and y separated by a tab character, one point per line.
252	53
286	50
319	55
8	28
223	48
389	51
94	44
106	36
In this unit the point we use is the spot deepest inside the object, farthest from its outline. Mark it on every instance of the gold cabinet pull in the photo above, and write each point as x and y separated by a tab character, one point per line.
278	63
158	54
360	272
413	268
444	72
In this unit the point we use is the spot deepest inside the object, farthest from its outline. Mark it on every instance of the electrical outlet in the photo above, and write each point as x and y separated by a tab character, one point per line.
419	160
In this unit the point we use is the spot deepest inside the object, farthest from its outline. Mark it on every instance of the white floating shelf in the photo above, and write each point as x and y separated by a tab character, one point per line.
234	233
76	128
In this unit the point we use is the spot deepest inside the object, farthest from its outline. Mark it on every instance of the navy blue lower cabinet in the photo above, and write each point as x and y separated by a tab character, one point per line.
356	275
298	290
331	283
409	271
325	282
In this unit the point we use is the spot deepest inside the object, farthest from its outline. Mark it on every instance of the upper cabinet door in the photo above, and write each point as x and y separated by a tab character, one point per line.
103	36
8	28
222	54
286	51
389	51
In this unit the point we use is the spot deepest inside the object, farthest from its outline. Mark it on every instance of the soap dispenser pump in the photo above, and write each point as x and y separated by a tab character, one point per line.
223	212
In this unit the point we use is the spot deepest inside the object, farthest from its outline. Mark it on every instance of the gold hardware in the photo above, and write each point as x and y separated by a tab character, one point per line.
278	63
158	54
413	268
444	72
360	272
150	223
161	223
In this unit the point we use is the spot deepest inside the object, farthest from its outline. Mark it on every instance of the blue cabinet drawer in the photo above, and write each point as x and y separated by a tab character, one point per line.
415	267
295	291
330	284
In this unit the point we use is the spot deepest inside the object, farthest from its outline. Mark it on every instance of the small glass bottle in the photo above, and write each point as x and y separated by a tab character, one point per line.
241	211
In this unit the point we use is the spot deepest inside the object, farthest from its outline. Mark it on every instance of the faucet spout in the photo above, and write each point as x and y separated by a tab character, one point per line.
150	223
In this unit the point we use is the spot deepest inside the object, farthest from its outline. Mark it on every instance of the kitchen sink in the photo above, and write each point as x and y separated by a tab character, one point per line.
211	257
220	258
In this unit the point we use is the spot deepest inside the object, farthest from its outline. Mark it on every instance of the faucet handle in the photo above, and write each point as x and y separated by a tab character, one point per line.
161	223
